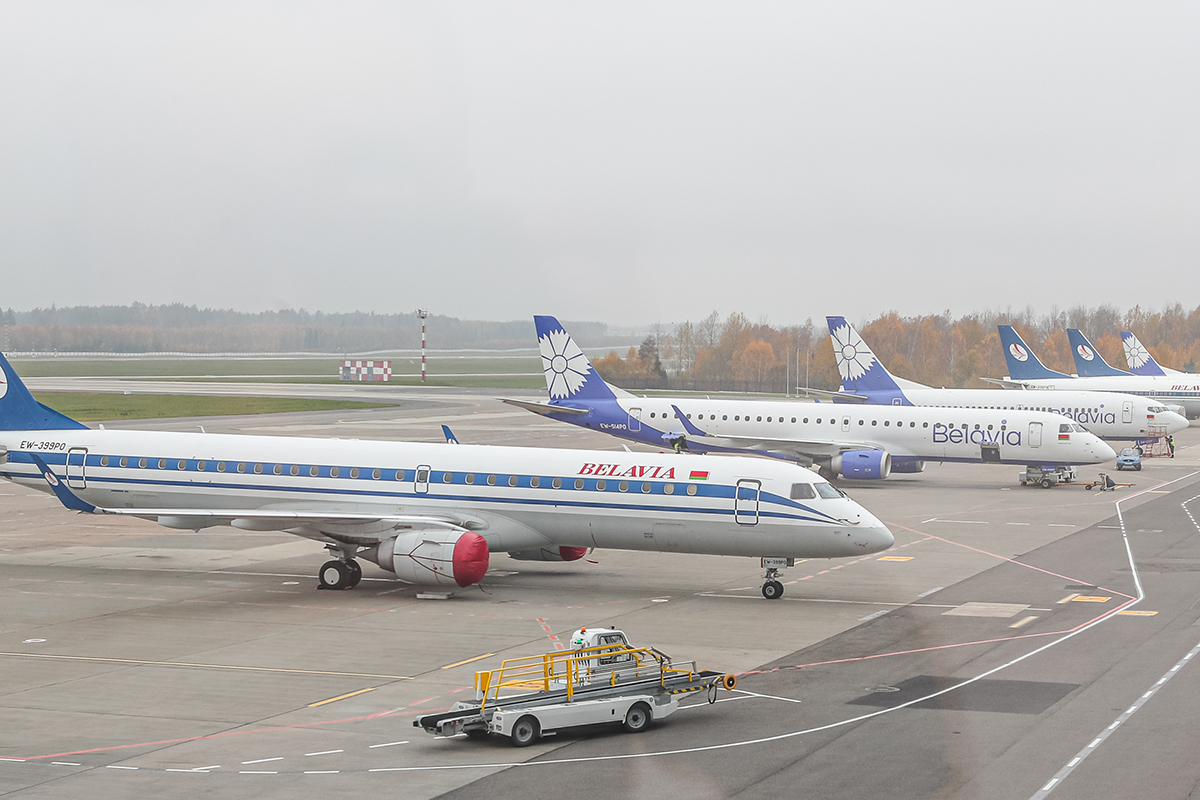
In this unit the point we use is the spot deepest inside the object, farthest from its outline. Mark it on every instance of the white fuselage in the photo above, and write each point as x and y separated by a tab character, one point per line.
1180	390
930	434
1108	415
516	498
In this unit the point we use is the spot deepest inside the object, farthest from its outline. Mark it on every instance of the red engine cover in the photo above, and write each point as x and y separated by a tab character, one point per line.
471	559
571	553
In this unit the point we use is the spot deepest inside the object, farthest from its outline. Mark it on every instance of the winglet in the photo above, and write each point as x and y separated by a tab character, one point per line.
449	434
1088	361
691	429
64	495
1023	365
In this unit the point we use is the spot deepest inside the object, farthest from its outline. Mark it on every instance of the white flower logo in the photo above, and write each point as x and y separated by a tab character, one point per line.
854	358
565	365
1135	354
1086	352
1018	352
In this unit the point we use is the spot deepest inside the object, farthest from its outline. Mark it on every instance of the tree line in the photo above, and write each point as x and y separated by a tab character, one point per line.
140	328
736	354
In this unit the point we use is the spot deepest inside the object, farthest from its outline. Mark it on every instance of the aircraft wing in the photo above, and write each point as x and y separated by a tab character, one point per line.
542	408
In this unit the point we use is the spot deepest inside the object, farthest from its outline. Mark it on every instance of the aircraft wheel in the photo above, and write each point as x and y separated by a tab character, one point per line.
355	573
637	718
526	731
334	575
772	590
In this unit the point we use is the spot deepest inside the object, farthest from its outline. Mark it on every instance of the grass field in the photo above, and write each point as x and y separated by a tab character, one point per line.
87	407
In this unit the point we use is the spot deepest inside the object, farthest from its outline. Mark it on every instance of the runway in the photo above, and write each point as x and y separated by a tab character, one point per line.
143	660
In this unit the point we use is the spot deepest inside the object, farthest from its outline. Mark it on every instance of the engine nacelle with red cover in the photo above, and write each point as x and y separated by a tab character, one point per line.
434	557
562	553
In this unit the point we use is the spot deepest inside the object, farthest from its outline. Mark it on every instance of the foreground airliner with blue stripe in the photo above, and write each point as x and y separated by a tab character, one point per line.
863	441
432	513
1111	416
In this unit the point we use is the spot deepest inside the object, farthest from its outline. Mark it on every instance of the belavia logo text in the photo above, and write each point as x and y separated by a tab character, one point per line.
618	471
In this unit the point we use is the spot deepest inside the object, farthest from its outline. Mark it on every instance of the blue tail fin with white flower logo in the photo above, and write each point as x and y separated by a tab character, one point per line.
1139	359
20	412
1023	365
569	374
861	370
1088	361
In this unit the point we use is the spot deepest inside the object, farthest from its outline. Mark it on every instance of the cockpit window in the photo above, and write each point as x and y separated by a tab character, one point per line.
827	491
803	491
1157	409
1079	429
1064	428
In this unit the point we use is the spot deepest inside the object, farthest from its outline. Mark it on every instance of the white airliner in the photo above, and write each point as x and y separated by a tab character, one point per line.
860	441
1025	370
431	513
1110	416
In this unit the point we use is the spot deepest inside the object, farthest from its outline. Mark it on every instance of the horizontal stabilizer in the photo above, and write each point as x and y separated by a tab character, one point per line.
544	409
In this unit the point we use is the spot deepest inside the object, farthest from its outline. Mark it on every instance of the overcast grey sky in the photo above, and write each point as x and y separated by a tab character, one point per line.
626	162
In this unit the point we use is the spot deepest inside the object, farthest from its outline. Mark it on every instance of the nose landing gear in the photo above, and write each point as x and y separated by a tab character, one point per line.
772	588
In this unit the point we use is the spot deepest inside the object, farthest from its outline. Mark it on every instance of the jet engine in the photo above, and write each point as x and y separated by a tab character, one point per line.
561	553
862	464
438	557
910	465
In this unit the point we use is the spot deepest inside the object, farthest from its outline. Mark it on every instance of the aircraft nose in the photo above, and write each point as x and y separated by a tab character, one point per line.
1174	422
1102	450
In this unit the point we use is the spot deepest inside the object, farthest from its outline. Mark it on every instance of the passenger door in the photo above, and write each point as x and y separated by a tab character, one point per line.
421	479
846	424
635	419
76	467
745	503
1127	411
1035	434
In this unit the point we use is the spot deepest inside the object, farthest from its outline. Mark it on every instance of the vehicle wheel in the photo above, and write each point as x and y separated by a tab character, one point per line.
1046	484
526	731
1120	467
1088	487
334	575
355	573
772	590
637	718
1138	467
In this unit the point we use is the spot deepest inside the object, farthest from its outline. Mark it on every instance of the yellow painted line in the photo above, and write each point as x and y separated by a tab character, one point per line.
1132	613
1083	598
467	661
141	662
896	558
1067	599
1025	621
340	697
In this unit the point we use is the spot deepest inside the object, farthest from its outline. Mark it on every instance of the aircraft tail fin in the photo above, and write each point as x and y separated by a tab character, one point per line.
1088	361
569	374
1138	357
861	370
1022	363
20	412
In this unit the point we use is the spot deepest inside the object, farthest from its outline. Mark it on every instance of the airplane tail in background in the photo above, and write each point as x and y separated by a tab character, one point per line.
1022	363
20	412
569	374
861	370
1138	357
1088	361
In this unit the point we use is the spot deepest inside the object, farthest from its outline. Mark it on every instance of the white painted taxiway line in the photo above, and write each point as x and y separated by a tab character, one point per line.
1058	777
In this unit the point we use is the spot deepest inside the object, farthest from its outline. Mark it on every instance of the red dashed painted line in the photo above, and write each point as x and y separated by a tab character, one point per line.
554	639
422	700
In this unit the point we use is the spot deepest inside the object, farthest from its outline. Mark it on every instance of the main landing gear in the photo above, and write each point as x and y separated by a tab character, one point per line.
340	574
